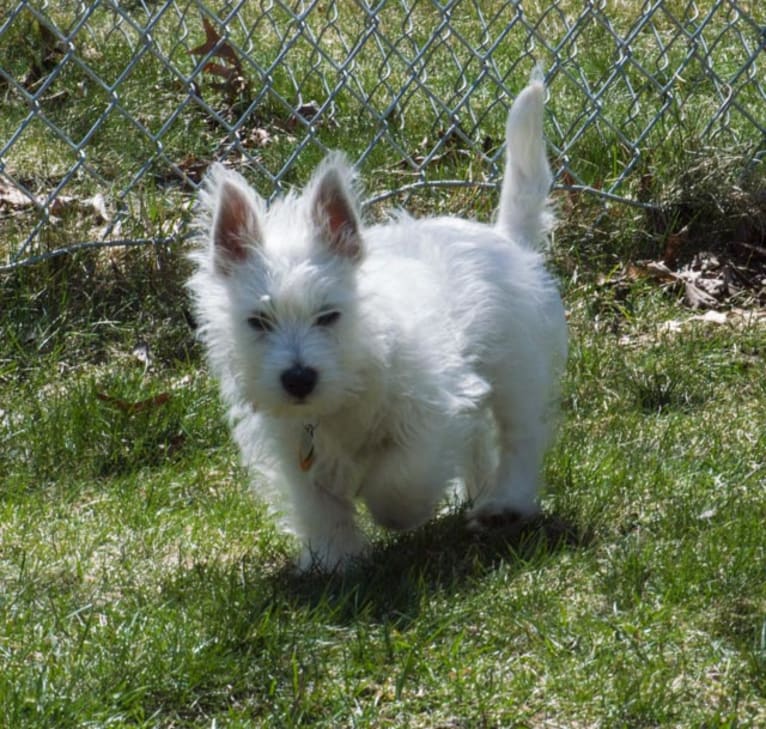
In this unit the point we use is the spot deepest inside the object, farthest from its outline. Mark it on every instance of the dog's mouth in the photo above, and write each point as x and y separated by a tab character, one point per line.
303	404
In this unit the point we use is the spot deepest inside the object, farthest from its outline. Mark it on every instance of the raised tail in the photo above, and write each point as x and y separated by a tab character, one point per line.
523	213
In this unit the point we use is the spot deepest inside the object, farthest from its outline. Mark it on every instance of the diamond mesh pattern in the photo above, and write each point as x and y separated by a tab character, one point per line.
116	107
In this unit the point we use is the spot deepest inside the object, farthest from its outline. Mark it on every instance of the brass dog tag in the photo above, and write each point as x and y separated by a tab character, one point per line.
306	452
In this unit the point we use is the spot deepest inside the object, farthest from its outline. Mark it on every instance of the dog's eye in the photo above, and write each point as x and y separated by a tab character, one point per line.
327	319
261	323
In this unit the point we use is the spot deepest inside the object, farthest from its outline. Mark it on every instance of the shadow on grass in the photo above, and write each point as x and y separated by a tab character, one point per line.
269	635
443	556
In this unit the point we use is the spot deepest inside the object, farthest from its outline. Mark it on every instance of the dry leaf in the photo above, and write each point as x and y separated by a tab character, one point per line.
751	248
97	204
734	317
660	271
697	298
12	197
134	407
259	137
218	69
211	45
305	111
235	81
674	245
17	199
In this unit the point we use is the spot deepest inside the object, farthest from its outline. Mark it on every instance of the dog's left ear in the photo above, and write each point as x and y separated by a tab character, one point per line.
333	210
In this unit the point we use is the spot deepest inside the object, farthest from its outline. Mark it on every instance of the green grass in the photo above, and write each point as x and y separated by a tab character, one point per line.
143	585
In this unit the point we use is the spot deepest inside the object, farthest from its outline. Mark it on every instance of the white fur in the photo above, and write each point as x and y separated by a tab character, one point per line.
436	346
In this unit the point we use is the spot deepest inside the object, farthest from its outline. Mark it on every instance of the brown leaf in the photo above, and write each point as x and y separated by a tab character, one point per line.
218	69
645	186
16	199
134	407
651	269
305	112
235	83
635	271
567	178
308	111
62	204
213	45
571	195
193	167
674	245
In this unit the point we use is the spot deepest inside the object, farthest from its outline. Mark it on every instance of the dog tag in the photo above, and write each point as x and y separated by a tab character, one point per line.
306	453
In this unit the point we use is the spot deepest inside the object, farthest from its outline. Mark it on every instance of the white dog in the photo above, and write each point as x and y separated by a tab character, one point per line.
384	364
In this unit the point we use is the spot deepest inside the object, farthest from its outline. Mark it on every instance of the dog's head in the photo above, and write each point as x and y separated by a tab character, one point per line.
276	288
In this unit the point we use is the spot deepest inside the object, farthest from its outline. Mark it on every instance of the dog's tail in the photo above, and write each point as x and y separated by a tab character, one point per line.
523	212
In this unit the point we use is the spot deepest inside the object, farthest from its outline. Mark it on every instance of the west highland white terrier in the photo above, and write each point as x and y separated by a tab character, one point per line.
384	364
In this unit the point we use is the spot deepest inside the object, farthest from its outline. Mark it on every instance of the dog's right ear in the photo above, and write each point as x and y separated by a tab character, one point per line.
333	210
235	221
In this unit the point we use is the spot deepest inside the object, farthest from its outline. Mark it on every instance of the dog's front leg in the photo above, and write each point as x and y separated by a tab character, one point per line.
325	522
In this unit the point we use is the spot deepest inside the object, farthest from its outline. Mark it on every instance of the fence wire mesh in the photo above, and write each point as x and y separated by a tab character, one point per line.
112	109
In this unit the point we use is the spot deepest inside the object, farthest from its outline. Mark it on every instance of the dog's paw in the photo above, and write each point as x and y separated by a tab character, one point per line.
331	556
492	516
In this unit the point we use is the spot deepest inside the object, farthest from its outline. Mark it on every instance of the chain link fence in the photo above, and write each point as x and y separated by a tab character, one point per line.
112	109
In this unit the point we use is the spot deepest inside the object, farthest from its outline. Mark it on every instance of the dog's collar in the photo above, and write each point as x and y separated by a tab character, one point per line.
306	452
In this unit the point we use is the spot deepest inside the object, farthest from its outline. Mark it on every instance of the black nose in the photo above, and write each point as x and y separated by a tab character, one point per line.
299	381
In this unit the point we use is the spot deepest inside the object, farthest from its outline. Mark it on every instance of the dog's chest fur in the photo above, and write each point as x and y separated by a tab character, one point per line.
349	443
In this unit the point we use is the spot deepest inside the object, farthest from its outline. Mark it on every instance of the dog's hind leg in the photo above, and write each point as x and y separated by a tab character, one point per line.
522	437
481	465
404	486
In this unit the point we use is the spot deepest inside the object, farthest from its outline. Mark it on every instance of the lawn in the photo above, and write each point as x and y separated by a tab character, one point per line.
142	583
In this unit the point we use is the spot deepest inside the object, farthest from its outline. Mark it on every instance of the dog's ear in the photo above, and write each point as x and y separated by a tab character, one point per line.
235	222
333	210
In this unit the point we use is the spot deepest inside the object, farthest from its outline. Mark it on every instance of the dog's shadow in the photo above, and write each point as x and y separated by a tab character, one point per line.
443	556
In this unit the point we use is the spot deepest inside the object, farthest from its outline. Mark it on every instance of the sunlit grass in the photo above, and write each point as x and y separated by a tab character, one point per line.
142	583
